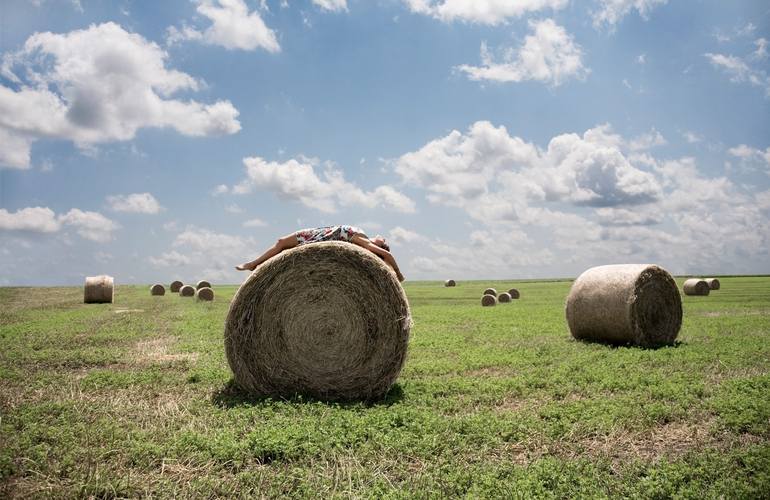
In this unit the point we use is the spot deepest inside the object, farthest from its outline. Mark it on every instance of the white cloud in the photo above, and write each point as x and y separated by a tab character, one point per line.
399	235
233	209
752	157
96	85
170	259
761	52
692	137
296	179
611	12
548	55
256	222
332	5
32	219
138	203
232	27
90	225
213	255
740	71
481	11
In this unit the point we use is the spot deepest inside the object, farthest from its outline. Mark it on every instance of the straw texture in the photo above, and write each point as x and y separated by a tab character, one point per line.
328	320
488	300
99	289
490	291
513	293
713	283
450	283
202	284
187	291
696	286
175	286
157	289
504	297
625	304
205	293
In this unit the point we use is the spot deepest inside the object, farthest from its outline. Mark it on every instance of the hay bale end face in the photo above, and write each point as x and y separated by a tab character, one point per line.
202	284
713	283
450	283
513	293
157	289
187	291
504	297
175	286
635	304
490	291
205	294
488	300
99	289
696	286
328	320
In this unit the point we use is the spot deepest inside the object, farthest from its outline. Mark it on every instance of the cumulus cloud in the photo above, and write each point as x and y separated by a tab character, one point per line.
138	203
211	252
611	12
89	225
752	157
256	222
548	55
332	5
740	71
400	235
297	179
170	259
96	85
233	26
491	12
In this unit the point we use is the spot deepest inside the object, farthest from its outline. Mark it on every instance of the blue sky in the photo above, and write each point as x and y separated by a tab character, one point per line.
486	139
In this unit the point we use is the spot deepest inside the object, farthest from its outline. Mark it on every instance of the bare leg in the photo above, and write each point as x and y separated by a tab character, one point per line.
289	241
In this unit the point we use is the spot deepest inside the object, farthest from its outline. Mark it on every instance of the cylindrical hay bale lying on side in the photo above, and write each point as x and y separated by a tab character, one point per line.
99	289
175	286
450	283
713	283
513	293
328	320
490	291
157	289
202	284
696	286
204	293
488	300
625	304
187	291
504	297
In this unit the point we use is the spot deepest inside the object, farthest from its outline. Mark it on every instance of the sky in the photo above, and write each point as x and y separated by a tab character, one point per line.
485	139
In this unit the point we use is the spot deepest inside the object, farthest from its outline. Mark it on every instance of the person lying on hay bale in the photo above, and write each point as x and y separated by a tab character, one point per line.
351	234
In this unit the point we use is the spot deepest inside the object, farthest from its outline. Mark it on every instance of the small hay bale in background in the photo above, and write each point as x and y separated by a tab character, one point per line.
187	291
504	297
450	283
490	291
157	289
328	320
204	293
175	286
99	289
202	284
625	304
488	300
713	283
696	286
513	293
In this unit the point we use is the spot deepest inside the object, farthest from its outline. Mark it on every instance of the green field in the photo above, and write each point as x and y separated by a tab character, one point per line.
134	399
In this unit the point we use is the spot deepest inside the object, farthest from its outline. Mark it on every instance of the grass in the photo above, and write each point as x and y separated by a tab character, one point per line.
135	399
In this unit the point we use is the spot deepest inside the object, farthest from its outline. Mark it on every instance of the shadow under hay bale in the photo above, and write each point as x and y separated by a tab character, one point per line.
450	283
488	300
205	294
328	320
202	284
99	289
504	297
490	291
176	286
635	304
157	289
713	283
513	293
696	286
187	291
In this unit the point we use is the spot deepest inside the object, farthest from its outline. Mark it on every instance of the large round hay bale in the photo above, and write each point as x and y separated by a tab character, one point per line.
504	297
490	291
696	286
328	320
488	300
625	304
157	289
450	283
187	291
513	293
202	284
204	293
175	286
99	289
713	283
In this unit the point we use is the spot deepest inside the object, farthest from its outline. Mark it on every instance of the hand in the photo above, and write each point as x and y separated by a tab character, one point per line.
400	276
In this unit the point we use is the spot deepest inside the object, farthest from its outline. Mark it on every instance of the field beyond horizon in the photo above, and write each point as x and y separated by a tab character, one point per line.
135	398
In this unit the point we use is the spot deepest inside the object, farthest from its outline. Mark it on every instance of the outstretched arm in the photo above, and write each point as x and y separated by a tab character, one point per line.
387	256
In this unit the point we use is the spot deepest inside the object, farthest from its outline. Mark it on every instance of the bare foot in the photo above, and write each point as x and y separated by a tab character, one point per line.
246	267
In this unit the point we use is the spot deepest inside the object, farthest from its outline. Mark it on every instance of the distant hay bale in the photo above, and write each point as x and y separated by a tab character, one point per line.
450	283
99	289
157	289
625	304
187	291
175	286
696	286
490	291
328	320
504	297
713	283
513	293
488	300
204	293
202	284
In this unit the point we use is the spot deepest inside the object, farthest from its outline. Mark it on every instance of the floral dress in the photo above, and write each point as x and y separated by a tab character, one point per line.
327	233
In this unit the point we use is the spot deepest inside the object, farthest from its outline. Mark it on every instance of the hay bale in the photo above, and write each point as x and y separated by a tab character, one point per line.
504	297
202	284
713	283
488	300
175	286
625	304
157	289
187	291
490	291
328	320
513	293
204	293
696	286
450	283
99	289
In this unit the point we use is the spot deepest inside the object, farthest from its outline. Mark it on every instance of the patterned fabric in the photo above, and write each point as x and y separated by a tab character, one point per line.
327	233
